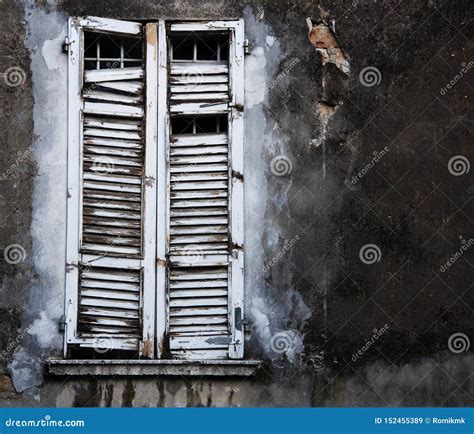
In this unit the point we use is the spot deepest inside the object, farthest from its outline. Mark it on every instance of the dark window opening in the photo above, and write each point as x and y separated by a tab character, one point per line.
200	46
104	51
199	124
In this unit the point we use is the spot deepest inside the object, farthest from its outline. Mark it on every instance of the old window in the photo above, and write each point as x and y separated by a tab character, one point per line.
155	188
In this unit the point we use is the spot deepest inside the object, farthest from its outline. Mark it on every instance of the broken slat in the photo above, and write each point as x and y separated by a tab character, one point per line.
135	87
114	124
201	107
113	74
115	97
106	109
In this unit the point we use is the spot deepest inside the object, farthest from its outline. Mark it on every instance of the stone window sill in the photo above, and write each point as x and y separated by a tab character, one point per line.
238	368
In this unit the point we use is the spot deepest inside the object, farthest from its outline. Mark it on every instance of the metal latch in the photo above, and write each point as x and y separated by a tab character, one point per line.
67	42
246	46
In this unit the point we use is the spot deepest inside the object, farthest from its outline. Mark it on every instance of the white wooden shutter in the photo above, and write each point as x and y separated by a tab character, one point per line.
111	222
205	214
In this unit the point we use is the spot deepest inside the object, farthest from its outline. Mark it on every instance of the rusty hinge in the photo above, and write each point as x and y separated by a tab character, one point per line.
238	107
67	42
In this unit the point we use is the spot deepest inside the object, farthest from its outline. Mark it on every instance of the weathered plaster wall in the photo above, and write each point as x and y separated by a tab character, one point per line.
312	124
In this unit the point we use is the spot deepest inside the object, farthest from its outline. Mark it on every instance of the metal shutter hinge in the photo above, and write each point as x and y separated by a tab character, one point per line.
67	42
246	46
